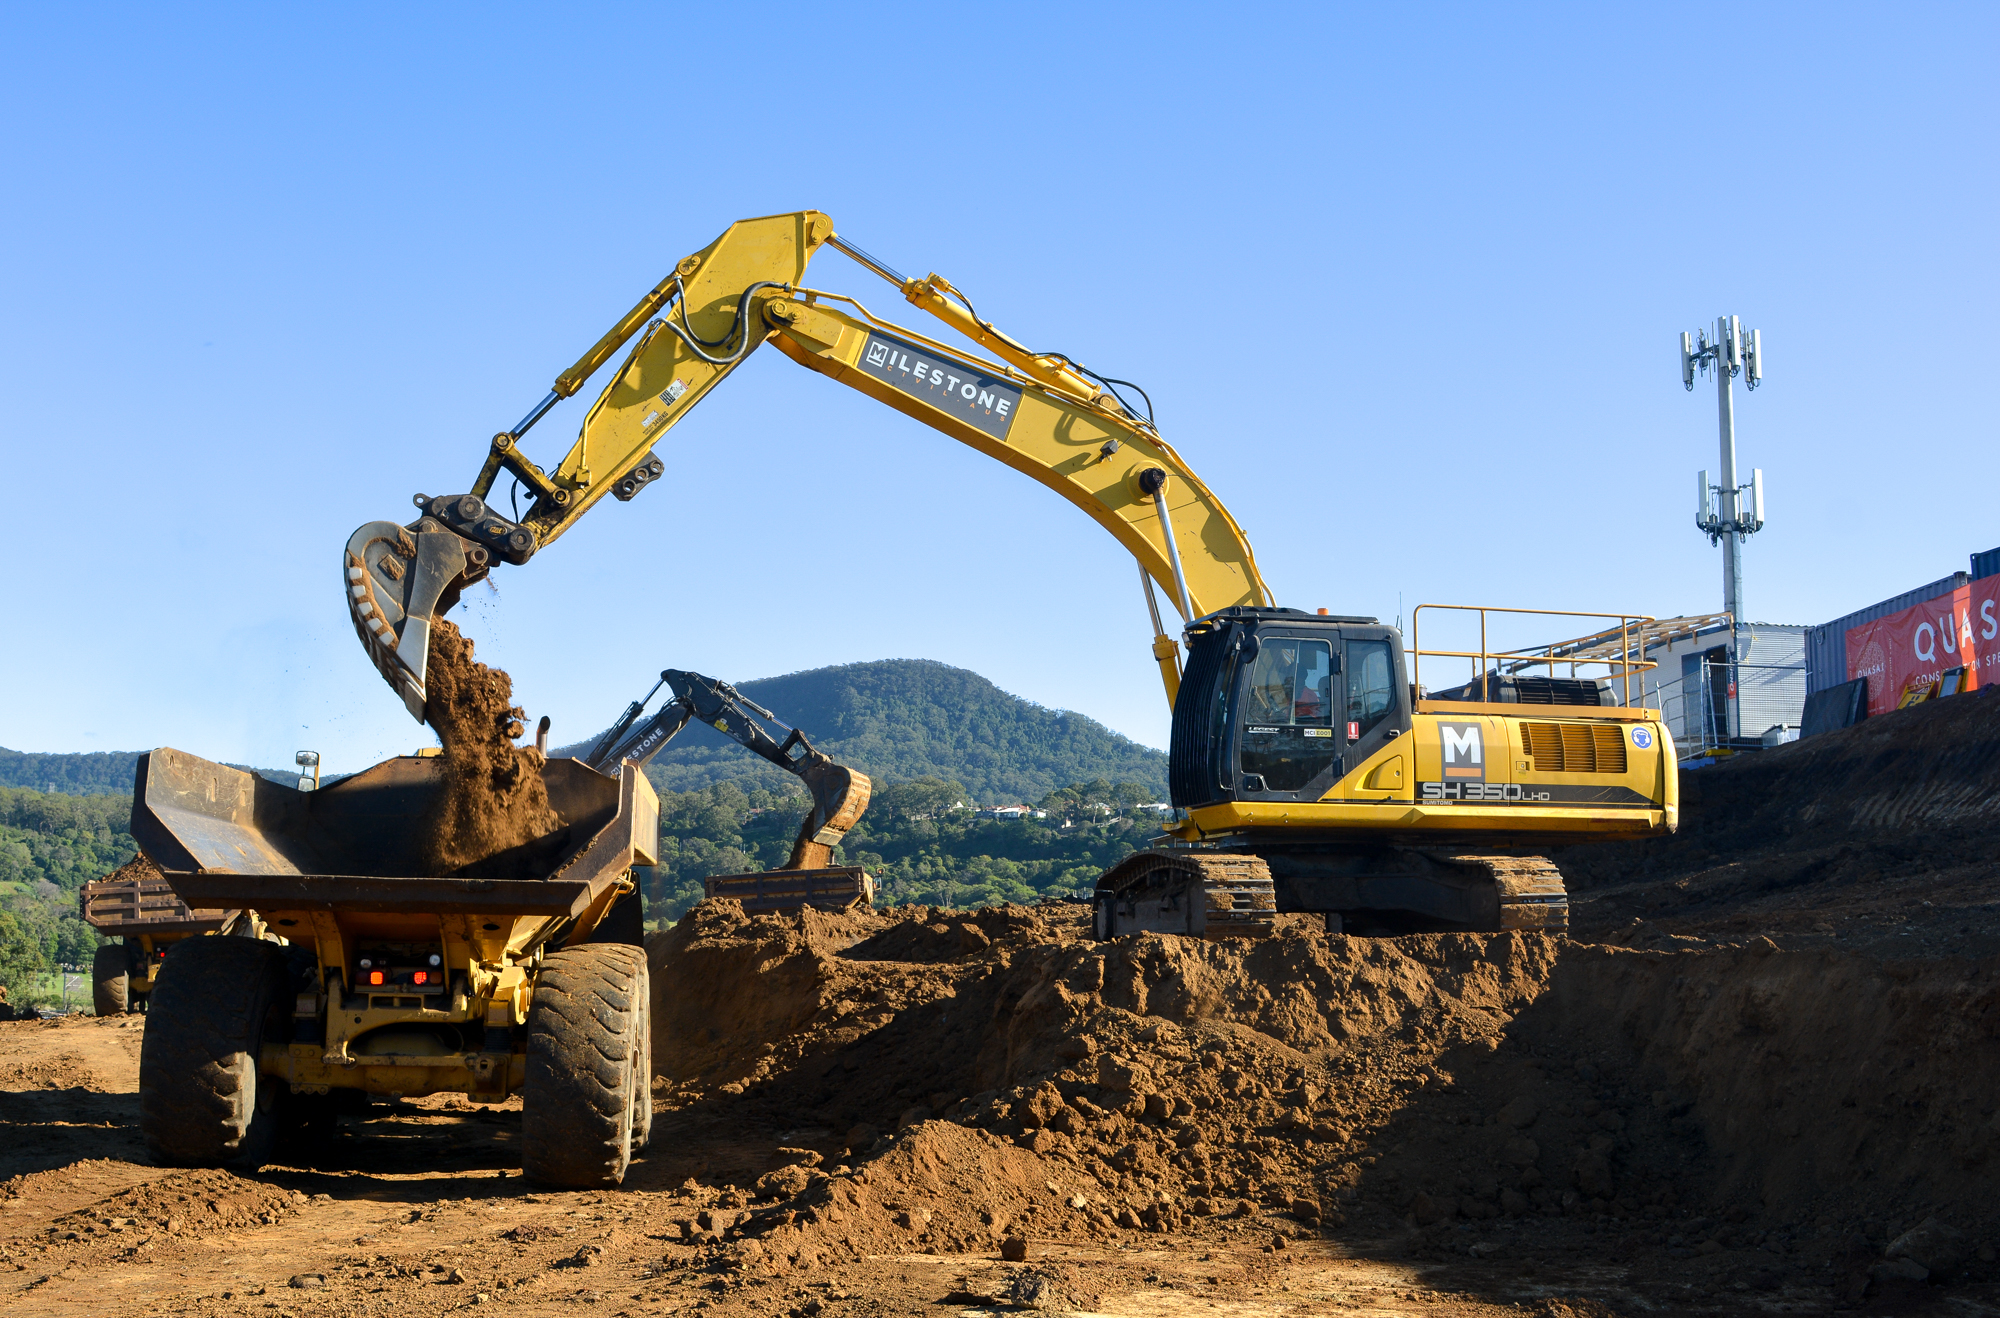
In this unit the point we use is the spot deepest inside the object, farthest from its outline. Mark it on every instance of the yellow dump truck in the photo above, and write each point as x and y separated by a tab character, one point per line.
391	981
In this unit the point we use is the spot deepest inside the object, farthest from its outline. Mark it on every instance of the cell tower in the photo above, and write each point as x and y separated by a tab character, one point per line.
1719	512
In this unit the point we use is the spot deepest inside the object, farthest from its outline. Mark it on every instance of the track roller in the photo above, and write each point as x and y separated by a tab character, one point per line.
1531	892
1198	894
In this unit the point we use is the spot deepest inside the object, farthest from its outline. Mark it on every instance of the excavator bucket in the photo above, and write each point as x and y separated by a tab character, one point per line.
398	579
840	795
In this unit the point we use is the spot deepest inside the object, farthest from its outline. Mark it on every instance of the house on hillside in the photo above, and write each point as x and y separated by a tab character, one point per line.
1011	812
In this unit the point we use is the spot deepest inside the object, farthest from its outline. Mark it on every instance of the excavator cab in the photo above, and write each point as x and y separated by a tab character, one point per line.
1279	704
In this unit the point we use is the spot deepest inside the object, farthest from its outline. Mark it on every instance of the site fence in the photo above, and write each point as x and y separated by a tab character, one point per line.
64	989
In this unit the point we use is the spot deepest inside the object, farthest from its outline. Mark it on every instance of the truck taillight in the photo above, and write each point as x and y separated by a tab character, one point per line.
420	977
375	977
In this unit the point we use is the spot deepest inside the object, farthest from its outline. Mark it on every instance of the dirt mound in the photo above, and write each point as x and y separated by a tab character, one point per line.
139	867
493	818
190	1202
1005	1074
1802	1085
1861	833
176	1210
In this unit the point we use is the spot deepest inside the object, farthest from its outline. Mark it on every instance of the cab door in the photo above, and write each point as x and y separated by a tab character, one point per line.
1289	745
1374	719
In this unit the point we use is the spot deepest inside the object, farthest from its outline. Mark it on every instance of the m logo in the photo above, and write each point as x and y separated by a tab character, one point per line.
1462	752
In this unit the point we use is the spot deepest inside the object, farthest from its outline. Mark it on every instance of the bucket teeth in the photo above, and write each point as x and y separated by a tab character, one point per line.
397	579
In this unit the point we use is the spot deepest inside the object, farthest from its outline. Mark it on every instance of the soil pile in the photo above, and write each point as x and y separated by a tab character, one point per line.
1884	830
995	1072
137	869
184	1201
493	818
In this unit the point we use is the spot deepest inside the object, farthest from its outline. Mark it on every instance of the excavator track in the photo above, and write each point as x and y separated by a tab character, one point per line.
1198	894
1530	889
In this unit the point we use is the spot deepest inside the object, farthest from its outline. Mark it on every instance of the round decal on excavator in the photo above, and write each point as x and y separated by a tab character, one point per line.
1642	738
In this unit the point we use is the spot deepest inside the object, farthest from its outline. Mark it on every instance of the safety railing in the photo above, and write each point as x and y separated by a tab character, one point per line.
1690	707
1618	649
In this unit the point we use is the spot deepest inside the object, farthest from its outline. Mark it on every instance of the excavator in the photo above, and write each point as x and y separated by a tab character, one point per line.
839	794
1310	769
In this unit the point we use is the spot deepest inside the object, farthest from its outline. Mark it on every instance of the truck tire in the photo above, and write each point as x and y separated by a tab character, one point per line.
585	1048
642	1114
107	980
201	1101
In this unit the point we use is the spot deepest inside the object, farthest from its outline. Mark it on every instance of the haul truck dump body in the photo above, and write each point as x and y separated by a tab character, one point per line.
397	982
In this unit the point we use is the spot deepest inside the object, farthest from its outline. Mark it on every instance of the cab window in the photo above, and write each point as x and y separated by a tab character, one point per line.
1291	683
1287	727
1371	684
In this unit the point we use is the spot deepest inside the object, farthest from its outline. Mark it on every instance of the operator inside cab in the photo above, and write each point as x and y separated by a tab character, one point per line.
1288	738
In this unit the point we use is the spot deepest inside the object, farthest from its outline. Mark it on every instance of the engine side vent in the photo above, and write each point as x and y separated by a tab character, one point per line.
1526	689
1575	747
1558	691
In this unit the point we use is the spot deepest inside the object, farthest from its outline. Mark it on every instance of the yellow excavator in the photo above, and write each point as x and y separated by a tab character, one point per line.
1311	769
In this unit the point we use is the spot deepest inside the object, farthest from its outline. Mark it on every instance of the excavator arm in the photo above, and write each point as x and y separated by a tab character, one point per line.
839	794
1040	413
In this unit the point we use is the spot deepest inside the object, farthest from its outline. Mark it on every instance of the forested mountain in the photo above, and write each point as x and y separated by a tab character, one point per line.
893	719
89	773
899	719
51	844
61	839
920	840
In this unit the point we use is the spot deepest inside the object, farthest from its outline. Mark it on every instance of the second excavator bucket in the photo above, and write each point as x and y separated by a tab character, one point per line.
839	796
399	579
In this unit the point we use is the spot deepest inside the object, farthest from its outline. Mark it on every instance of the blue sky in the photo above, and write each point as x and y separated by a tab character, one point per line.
1404	284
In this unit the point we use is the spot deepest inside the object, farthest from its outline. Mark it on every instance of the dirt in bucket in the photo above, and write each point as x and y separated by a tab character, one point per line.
493	819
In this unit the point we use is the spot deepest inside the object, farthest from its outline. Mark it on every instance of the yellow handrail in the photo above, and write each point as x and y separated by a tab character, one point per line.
1631	628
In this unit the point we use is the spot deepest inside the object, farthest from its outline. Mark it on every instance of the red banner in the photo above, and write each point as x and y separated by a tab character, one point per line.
1957	630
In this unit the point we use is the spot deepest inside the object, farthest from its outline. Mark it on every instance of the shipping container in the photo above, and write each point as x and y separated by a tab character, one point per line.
1826	645
1986	564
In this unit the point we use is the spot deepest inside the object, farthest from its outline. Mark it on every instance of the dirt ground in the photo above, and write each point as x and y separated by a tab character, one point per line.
1760	1079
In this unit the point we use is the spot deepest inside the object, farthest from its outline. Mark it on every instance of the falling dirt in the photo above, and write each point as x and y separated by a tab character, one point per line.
493	818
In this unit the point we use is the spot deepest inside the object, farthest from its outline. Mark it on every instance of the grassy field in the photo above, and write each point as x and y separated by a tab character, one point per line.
46	988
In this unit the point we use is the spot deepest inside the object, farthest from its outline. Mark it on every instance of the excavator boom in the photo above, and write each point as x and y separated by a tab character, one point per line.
1040	413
